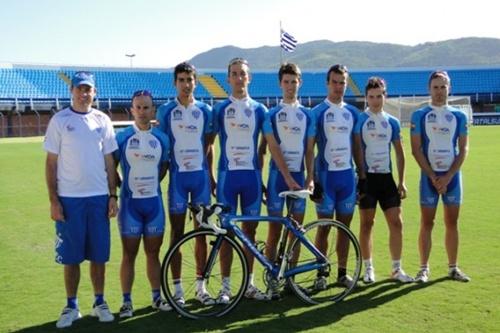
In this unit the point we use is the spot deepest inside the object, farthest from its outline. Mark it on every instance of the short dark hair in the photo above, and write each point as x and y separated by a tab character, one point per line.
439	73
184	67
234	61
289	68
375	82
337	69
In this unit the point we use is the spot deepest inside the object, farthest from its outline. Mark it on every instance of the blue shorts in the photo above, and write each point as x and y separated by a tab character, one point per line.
275	185
144	216
339	192
181	184
429	196
245	184
84	235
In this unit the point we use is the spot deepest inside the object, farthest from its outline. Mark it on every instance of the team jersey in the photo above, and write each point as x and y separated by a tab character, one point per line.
141	154
292	125
377	131
186	129
334	128
439	129
80	140
238	122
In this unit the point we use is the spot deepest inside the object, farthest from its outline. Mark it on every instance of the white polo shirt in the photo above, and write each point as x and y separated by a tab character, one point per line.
80	140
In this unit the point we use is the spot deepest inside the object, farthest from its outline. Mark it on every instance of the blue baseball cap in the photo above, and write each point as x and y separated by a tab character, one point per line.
80	78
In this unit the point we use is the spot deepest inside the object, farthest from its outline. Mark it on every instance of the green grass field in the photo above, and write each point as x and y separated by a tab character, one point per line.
32	292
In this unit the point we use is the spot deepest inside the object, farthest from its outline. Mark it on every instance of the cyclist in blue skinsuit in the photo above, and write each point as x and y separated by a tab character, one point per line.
335	122
238	121
188	124
293	128
143	156
439	142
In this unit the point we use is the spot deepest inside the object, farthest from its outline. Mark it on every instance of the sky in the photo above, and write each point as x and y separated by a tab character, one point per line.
162	33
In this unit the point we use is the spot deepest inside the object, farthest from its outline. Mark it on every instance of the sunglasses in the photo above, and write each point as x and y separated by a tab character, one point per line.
238	60
142	93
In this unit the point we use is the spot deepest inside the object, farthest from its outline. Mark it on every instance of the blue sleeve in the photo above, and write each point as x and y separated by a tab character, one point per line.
215	117
209	126
311	125
119	141
359	123
161	117
463	128
415	128
267	126
396	128
262	114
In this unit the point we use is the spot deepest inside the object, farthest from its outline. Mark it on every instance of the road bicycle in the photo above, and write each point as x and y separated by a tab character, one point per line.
300	266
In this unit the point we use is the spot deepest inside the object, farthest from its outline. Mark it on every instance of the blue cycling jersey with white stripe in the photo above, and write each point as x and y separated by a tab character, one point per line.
334	128
439	129
377	131
238	122
186	129
141	154
292	125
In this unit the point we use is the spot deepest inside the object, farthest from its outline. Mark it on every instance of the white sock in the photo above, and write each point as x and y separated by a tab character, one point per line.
200	285
178	287
396	265
368	263
425	267
226	283
250	279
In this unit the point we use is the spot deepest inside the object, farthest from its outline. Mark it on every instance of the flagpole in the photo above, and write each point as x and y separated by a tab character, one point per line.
281	49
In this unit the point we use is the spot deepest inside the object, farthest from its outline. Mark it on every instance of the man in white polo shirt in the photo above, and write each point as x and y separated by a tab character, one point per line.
82	191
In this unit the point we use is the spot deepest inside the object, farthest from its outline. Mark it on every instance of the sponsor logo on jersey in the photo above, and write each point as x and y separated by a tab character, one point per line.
384	124
448	117
330	117
177	114
248	112
431	118
230	113
370	125
299	116
134	143
196	114
346	115
282	117
241	127
153	143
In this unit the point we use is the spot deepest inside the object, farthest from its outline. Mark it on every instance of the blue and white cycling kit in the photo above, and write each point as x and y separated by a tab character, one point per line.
439	129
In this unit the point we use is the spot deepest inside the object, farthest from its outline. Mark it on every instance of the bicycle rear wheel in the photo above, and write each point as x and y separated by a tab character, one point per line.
318	286
208	262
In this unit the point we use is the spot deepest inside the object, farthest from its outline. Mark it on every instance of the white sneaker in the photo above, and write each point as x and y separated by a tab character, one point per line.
68	316
457	275
204	297
126	311
161	305
422	276
224	296
254	293
102	312
346	281
369	276
401	276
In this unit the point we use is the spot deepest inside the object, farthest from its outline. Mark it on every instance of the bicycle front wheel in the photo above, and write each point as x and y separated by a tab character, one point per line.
198	259
339	245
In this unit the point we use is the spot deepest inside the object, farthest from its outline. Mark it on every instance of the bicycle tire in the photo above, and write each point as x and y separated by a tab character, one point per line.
193	308
304	284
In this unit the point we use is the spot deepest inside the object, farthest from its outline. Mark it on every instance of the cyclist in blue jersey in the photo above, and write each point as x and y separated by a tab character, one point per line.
143	156
334	171
293	129
374	132
81	184
238	121
439	143
188	124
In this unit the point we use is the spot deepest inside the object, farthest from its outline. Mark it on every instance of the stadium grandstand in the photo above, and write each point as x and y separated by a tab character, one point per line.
29	94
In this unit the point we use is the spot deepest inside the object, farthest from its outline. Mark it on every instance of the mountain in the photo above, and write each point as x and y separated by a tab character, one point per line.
321	54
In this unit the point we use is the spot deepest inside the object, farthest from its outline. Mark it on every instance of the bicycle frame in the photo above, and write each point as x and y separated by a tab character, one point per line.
228	222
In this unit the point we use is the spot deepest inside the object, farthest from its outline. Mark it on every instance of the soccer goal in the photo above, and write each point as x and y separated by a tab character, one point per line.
403	107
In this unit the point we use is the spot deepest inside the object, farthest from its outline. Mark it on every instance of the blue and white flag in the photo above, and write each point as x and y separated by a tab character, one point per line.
288	42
